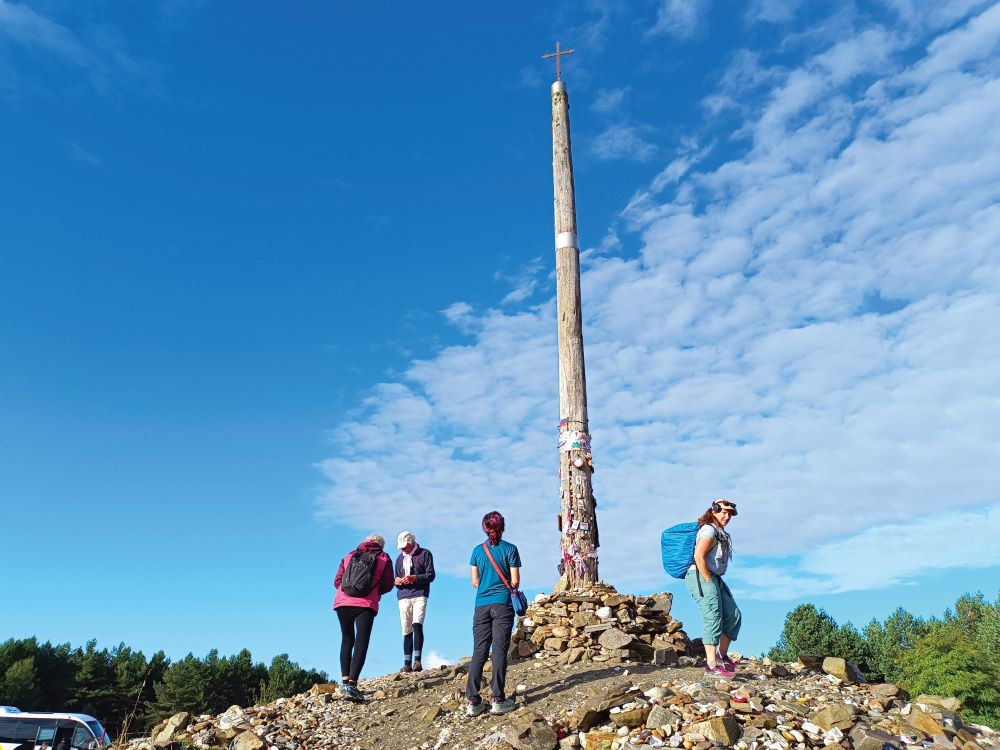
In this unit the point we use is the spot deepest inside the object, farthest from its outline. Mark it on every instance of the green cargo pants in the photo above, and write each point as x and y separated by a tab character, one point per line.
718	608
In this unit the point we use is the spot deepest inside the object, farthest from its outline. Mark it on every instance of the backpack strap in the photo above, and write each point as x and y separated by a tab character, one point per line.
496	567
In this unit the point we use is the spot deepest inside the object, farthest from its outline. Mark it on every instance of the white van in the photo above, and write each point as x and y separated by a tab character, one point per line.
21	730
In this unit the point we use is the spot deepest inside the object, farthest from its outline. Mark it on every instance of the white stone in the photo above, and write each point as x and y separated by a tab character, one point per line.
603	612
833	736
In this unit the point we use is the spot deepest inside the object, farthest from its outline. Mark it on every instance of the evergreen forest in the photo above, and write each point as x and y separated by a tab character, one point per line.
121	685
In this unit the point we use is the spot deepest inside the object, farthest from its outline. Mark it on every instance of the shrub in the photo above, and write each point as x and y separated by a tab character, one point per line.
946	661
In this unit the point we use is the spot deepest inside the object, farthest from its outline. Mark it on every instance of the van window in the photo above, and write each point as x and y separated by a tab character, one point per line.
81	738
7	729
46	733
99	732
27	730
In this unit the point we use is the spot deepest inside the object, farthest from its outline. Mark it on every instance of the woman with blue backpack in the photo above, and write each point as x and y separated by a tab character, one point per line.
363	576
713	549
496	574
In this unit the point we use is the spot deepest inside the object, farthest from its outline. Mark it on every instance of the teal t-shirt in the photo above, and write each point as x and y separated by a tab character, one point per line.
491	589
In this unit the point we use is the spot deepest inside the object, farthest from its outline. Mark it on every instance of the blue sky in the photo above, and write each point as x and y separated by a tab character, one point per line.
272	279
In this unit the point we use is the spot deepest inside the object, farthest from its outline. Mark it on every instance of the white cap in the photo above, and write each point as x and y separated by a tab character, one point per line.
404	538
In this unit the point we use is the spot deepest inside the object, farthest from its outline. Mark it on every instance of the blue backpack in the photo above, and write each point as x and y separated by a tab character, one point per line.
677	548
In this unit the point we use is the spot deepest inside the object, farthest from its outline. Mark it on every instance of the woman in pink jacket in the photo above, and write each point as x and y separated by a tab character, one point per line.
356	609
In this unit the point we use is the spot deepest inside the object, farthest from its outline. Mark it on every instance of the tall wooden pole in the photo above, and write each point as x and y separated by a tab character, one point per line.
578	516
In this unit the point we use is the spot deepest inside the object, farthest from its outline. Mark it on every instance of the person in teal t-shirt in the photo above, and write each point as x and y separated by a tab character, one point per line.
491	589
494	615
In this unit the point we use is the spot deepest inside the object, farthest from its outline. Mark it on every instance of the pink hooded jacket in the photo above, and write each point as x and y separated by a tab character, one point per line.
384	582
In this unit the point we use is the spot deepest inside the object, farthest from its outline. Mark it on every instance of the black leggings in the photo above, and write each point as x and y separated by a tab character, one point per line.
355	631
414	641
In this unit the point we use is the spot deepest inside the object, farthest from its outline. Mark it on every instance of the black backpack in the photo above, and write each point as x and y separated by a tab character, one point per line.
359	575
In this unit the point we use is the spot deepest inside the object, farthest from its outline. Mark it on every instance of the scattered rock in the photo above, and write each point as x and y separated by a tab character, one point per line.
811	661
174	726
949	704
927	723
317	689
885	690
865	738
247	741
634	717
427	717
531	732
836	715
843	669
659	717
724	729
574	693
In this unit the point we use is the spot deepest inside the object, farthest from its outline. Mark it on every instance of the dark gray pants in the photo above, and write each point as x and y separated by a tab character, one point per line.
491	624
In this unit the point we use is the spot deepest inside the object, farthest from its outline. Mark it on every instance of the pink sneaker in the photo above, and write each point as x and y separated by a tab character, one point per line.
728	663
719	671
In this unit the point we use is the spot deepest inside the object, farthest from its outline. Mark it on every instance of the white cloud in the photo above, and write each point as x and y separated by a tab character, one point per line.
609	100
773	11
622	142
680	19
744	351
433	660
591	33
19	23
97	49
83	156
886	555
531	77
524	281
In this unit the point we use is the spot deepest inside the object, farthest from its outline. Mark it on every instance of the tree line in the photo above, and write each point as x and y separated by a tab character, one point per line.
112	685
957	654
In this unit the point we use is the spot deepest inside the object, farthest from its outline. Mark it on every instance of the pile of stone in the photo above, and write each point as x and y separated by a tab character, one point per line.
813	709
599	624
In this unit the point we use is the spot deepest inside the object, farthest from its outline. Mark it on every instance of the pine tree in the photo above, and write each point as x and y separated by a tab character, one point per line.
807	630
19	685
93	685
184	688
286	678
56	672
889	640
240	680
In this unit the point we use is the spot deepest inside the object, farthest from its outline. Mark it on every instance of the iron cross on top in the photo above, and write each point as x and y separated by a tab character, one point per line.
557	54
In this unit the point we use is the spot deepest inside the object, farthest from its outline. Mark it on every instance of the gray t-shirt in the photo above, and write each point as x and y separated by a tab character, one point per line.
718	555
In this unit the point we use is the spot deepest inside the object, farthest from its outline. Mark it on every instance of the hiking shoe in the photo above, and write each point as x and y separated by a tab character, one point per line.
475	709
728	663
406	668
417	666
503	707
352	693
719	671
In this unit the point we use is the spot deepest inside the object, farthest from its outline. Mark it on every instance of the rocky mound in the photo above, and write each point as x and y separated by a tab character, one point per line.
581	688
600	625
